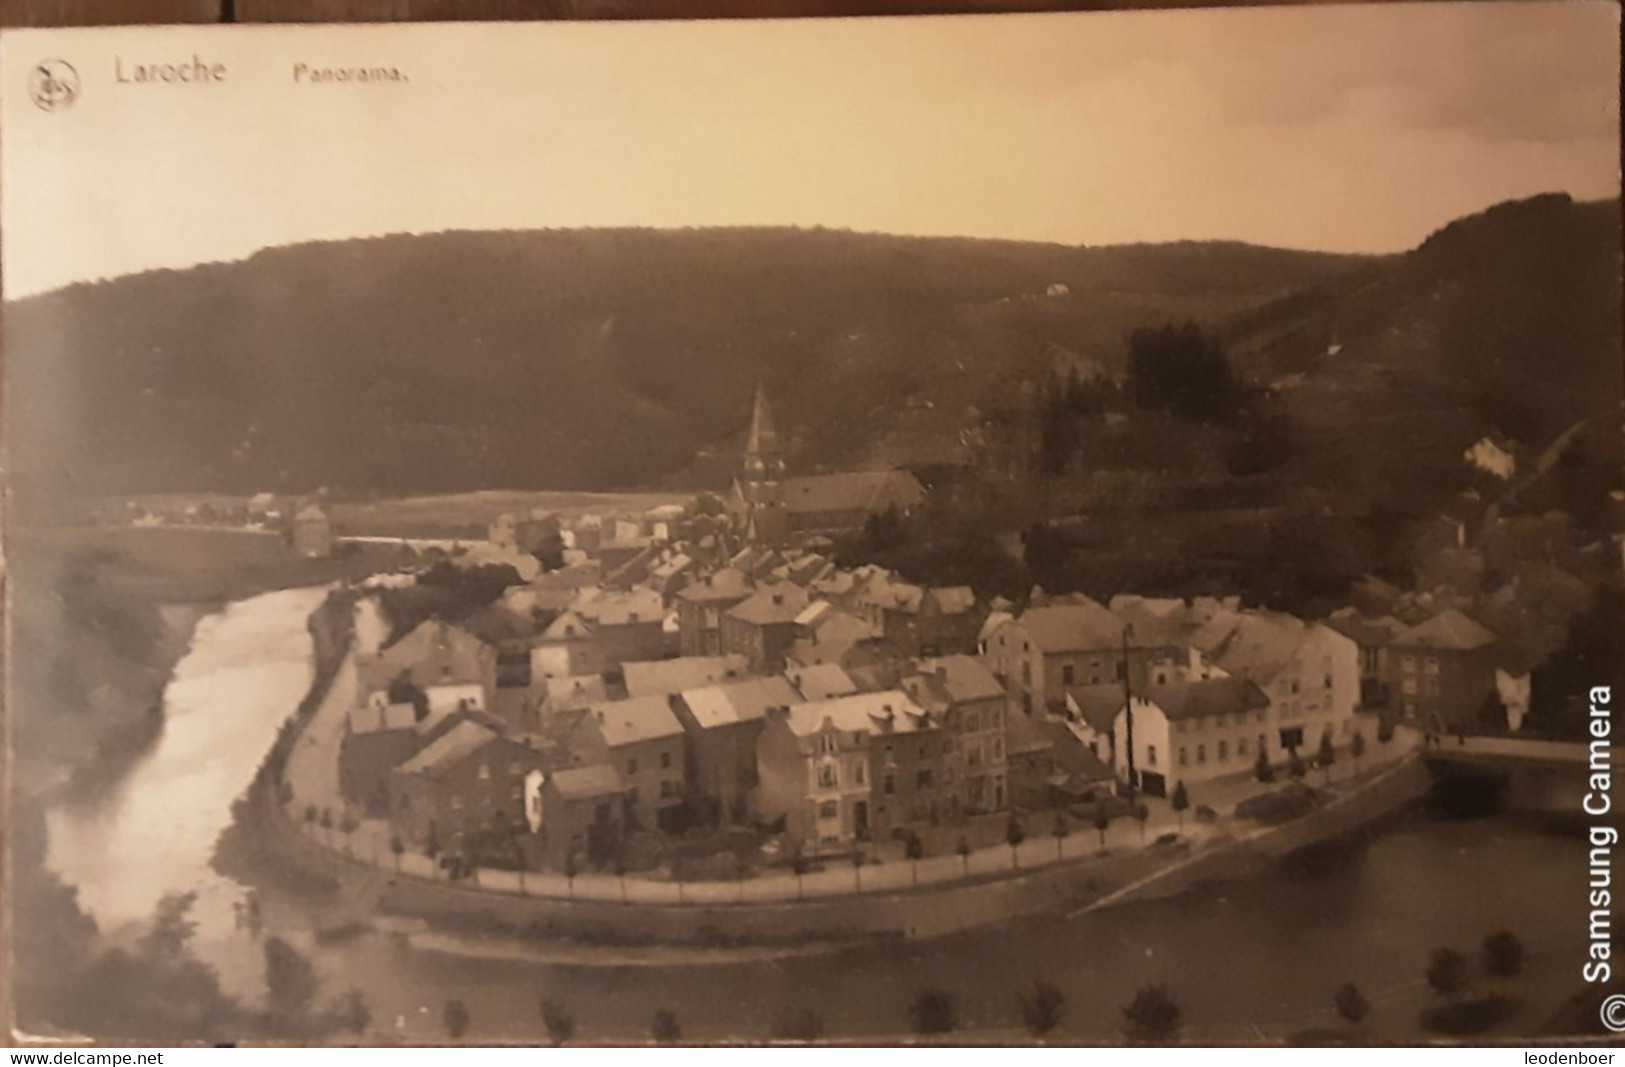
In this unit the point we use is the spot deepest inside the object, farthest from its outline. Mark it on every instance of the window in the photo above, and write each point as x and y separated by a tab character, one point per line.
973	754
632	795
1068	674
827	778
665	761
631	766
668	788
513	769
485	772
1263	743
1431	665
1162	677
1026	674
1294	687
859	772
922	780
1122	670
1184	756
1430	686
1201	753
888	785
1328	681
1408	686
1241	746
1260	716
998	749
826	743
1224	750
829	809
1408	662
1151	755
997	721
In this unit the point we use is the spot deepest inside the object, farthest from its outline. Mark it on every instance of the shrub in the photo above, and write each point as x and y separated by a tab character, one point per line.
1447	971
933	1011
561	1025
1042	1007
1503	954
665	1028
456	1018
1153	1014
1205	813
1351	1003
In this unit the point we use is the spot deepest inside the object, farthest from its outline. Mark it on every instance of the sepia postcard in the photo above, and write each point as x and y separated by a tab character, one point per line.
1087	529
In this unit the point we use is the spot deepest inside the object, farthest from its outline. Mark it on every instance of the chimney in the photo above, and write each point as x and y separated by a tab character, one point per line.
778	600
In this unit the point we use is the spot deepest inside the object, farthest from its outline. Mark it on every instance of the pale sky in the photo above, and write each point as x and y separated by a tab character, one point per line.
1359	128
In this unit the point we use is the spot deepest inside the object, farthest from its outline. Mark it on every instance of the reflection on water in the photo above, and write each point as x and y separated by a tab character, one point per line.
246	671
1265	951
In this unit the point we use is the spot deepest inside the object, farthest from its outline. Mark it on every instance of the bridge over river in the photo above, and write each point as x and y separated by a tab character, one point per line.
1531	774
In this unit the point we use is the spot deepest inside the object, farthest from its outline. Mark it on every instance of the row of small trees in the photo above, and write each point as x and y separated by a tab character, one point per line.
1153	1015
1325	756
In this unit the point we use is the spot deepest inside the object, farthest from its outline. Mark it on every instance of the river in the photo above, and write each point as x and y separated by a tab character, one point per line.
1259	956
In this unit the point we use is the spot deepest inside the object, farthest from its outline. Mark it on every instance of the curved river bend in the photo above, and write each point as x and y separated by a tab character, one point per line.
1260	956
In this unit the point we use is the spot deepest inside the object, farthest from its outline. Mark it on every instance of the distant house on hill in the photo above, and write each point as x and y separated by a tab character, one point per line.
1494	455
312	533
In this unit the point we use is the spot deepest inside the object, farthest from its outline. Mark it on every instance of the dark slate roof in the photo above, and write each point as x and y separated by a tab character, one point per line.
1204	699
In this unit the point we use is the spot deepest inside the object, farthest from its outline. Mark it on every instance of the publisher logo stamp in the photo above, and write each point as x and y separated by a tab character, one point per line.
1613	1013
53	84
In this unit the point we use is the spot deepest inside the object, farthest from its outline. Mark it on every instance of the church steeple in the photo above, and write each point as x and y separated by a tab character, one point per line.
761	495
764	460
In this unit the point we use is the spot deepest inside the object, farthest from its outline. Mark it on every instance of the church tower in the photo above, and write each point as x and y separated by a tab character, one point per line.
762	478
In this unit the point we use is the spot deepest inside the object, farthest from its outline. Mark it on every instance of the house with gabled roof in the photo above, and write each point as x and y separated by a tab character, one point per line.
576	635
826	634
643	740
1049	648
723	723
1191	732
920	620
583	816
700	607
762	627
965	696
1442	672
435	652
469	780
842	771
666	676
1309	671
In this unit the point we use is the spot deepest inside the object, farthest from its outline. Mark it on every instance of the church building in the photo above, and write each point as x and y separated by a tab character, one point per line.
776	509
